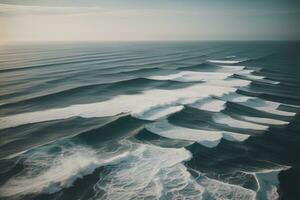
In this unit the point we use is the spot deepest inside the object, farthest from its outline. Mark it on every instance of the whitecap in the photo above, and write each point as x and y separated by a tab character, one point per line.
235	97
156	113
254	77
234	67
215	189
190	76
262	120
266	106
229	121
231	136
213	105
205	137
224	61
229	82
257	78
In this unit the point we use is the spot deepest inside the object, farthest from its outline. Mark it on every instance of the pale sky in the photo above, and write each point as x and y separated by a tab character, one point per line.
81	20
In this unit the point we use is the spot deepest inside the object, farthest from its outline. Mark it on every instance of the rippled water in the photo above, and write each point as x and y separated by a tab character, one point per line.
150	120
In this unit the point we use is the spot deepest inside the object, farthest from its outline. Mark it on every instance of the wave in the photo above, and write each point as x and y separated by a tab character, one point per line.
163	177
267	121
235	123
267	106
86	61
207	138
117	105
46	172
209	104
152	122
281	75
256	78
268	182
224	61
206	67
197	67
147	137
229	82
271	96
154	114
189	76
204	137
235	97
35	136
258	60
215	189
258	104
149	171
101	91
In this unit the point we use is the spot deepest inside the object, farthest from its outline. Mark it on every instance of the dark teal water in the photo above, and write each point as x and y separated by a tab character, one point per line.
150	120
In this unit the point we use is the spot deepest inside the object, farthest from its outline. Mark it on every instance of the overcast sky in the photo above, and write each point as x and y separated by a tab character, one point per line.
76	20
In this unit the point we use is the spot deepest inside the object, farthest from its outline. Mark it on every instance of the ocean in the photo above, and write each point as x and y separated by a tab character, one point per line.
150	120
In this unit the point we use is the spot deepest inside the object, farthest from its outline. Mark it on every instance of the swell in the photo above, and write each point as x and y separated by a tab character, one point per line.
258	59
105	60
199	67
72	58
233	163
99	92
68	62
93	132
289	99
15	142
197	119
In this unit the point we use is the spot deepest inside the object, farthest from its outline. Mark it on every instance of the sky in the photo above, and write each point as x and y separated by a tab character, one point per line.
131	20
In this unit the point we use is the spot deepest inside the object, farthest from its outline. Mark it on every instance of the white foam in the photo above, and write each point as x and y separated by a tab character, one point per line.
257	78
224	61
49	173
208	138
145	175
234	67
119	104
154	114
229	121
215	189
204	137
229	82
267	181
261	120
213	105
190	76
254	77
235	97
231	136
142	175
267	106
176	183
277	112
246	71
241	99
258	104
